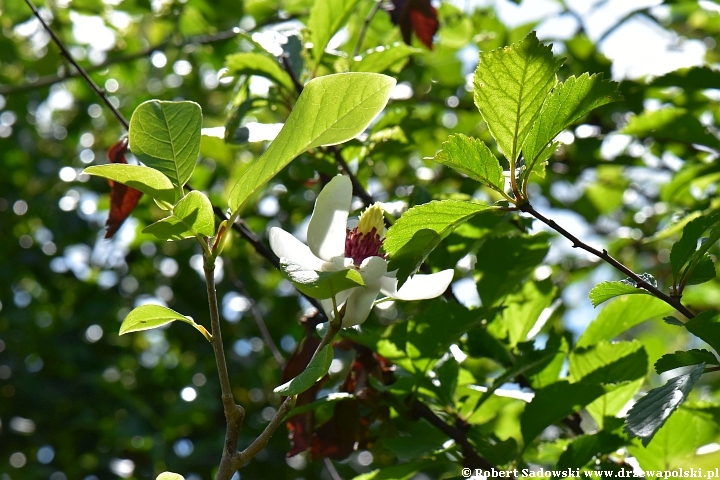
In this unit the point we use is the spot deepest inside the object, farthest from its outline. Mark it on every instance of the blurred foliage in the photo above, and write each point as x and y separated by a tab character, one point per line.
79	402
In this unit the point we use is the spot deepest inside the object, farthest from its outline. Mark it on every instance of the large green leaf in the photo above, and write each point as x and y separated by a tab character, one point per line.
511	85
148	180
505	262
166	137
605	291
706	325
331	110
683	358
193	216
620	315
555	402
673	124
326	18
146	317
250	63
320	284
523	308
316	369
473	158
650	412
569	102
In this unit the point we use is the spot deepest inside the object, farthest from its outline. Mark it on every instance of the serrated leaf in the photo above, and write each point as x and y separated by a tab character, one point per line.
166	137
316	369
609	362
473	158
679	359
326	18
650	412
620	315
170	476
320	284
568	102
146	317
673	124
703	271
553	403
384	58
605	291
419	230
148	180
706	326
331	110
249	63
586	448
193	216
683	249
511	85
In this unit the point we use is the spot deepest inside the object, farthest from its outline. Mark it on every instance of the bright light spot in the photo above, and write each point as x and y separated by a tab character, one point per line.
199	380
288	343
111	85
466	292
297	462
449	120
20	207
566	137
613	145
425	173
542	272
183	448
67	174
458	354
18	460
45	454
259	86
182	67
587	131
158	59
22	425
242	348
401	91
336	366
86	156
268	413
91	30
123	468
93	333
233	306
168	267
268	206
365	458
262	132
709	448
188	394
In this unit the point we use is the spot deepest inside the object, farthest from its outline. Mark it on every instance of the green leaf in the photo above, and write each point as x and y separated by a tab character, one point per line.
326	18
679	359
511	84
316	369
192	217
320	284
586	448
609	363
331	110
605	291
148	180
166	137
249	63
170	476
650	412
683	249
146	317
523	308
706	326
553	403
421	229
411	448
620	315
689	79
569	101
473	158
505	262
673	124
447	375
703	271
391	57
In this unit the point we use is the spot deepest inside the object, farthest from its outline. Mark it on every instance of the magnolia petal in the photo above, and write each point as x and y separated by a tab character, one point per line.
418	287
373	269
360	303
286	246
328	223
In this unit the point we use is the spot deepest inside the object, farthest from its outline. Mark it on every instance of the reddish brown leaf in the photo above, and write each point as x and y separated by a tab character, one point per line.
417	16
123	199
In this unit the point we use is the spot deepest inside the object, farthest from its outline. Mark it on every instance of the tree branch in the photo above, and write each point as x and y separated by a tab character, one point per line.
366	25
65	53
639	282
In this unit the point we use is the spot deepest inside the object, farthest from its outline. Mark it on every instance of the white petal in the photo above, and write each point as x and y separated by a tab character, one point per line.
328	224
287	246
359	304
340	298
373	269
418	287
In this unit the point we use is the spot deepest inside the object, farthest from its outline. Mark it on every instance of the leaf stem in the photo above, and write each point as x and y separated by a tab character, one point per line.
603	255
366	25
234	414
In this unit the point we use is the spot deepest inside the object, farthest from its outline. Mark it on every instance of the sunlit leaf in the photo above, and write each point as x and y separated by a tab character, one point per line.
146	317
473	158
679	359
250	63
193	216
392	57
326	18
316	369
145	179
605	291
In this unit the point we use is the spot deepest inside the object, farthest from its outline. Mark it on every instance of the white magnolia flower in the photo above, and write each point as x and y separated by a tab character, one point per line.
332	246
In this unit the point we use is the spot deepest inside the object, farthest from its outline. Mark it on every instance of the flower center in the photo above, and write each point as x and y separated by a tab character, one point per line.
359	245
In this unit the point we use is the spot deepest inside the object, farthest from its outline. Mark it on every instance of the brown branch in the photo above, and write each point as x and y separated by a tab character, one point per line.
53	79
65	53
604	255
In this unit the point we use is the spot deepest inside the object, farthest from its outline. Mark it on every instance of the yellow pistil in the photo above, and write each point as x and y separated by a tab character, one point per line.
371	218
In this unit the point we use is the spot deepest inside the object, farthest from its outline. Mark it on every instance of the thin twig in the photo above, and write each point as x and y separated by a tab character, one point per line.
65	53
259	320
332	471
366	25
53	79
639	282
358	189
